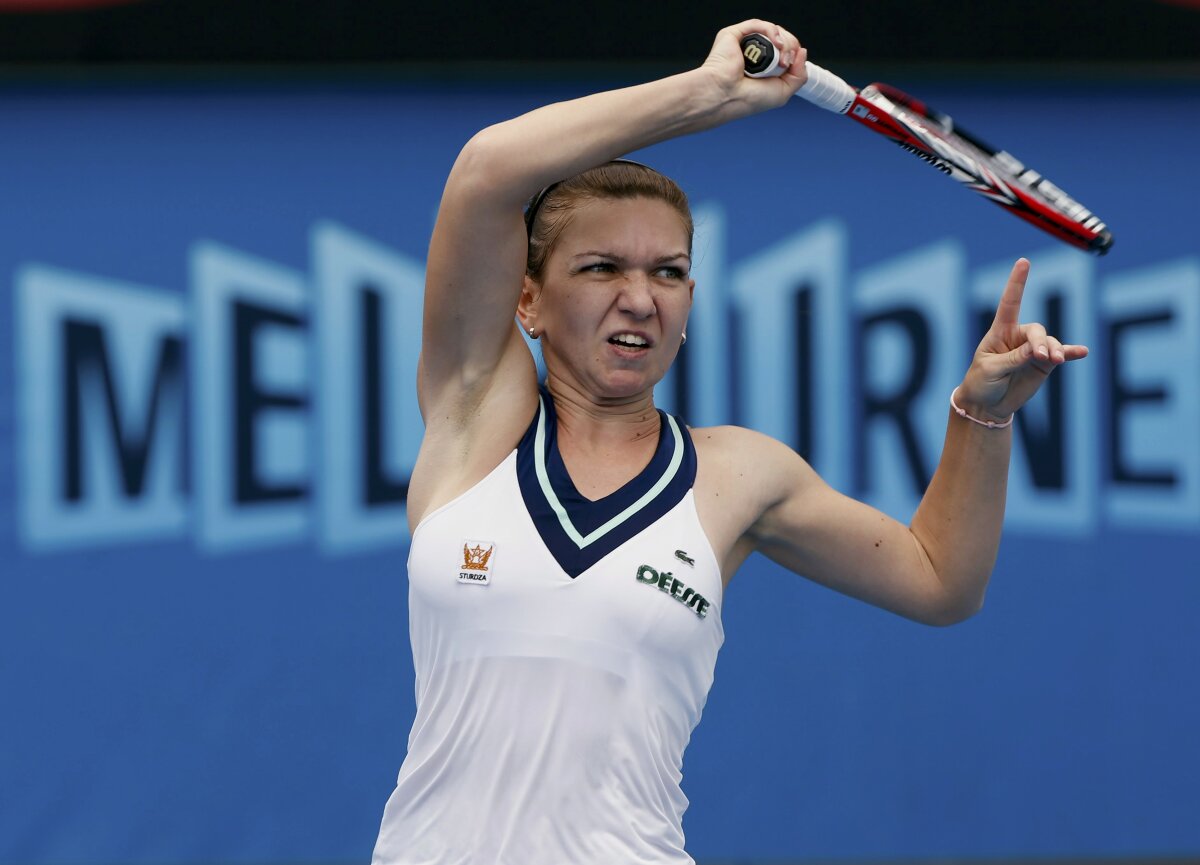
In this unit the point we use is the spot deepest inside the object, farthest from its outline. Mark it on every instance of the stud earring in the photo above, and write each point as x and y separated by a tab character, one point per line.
532	335
684	340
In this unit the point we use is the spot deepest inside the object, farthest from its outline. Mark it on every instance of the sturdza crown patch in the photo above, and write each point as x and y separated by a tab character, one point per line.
476	567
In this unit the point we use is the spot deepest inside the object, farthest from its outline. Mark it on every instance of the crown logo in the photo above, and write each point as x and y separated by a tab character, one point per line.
476	558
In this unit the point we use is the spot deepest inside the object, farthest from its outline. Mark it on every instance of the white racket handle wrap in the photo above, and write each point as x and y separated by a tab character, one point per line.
826	90
823	88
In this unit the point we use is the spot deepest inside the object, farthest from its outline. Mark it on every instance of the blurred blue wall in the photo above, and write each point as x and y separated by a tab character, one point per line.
208	328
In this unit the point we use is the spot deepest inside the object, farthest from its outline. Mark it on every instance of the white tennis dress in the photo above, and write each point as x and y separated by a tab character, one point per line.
563	651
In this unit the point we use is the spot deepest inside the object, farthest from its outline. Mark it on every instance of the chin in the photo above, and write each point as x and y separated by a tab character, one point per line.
625	385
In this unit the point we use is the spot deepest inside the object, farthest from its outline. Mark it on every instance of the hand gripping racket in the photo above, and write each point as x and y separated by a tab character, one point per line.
936	139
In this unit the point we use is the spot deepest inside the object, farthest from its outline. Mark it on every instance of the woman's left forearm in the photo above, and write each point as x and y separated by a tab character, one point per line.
960	518
959	521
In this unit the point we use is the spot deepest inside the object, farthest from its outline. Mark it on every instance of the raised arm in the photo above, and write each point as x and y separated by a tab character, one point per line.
477	253
936	570
959	521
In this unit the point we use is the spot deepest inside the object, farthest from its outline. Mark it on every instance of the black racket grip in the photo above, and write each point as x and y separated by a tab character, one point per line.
761	57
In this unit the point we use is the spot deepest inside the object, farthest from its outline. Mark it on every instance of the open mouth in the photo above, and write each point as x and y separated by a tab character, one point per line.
630	342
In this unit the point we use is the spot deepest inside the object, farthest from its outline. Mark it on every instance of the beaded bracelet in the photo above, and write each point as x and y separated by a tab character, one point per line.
990	424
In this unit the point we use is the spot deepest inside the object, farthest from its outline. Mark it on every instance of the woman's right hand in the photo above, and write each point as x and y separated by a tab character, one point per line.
752	95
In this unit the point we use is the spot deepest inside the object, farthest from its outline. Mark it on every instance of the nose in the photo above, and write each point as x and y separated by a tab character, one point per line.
637	296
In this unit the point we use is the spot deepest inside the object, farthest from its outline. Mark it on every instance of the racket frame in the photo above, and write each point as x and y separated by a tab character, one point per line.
995	174
934	138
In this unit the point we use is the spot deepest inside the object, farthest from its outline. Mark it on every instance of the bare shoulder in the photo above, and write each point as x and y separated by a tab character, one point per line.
741	475
735	454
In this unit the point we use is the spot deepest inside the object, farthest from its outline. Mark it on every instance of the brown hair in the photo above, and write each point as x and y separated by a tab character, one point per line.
550	210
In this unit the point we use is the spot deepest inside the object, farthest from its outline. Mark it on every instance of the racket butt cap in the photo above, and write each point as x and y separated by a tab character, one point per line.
761	57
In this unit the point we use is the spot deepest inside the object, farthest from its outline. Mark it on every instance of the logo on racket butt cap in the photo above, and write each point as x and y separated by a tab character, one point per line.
761	57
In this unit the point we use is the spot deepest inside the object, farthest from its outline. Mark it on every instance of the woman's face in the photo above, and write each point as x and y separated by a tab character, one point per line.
614	296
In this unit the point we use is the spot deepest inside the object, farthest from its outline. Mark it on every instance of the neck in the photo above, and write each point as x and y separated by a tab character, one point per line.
590	422
603	444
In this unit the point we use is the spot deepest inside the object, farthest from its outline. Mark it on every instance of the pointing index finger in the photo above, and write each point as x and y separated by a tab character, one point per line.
1008	313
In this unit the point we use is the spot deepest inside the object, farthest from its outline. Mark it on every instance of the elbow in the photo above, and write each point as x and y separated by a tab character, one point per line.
490	168
953	609
477	160
950	594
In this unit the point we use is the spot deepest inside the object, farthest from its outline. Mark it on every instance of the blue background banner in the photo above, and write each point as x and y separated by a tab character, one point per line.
209	326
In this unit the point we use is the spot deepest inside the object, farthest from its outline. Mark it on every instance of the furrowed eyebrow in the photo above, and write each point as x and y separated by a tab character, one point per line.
663	260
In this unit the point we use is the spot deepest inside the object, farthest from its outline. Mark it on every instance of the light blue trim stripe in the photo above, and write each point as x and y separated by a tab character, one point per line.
539	463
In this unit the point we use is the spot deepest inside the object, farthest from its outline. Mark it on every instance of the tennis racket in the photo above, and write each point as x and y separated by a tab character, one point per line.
936	139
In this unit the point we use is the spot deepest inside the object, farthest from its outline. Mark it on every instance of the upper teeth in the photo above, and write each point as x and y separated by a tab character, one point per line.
630	339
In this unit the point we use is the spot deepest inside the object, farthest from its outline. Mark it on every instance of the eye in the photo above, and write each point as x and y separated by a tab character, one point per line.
671	272
600	267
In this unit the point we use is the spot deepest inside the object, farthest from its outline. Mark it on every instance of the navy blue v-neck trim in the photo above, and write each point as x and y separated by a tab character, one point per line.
579	532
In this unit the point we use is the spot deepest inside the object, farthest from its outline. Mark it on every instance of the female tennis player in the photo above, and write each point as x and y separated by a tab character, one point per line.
571	543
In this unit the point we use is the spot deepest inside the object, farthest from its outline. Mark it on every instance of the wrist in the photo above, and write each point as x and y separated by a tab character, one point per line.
714	97
978	414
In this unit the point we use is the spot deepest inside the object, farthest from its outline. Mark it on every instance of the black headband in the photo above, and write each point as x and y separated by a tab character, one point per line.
535	205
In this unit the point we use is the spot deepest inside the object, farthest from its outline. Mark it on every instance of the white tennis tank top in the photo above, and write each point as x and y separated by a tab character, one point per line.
563	650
